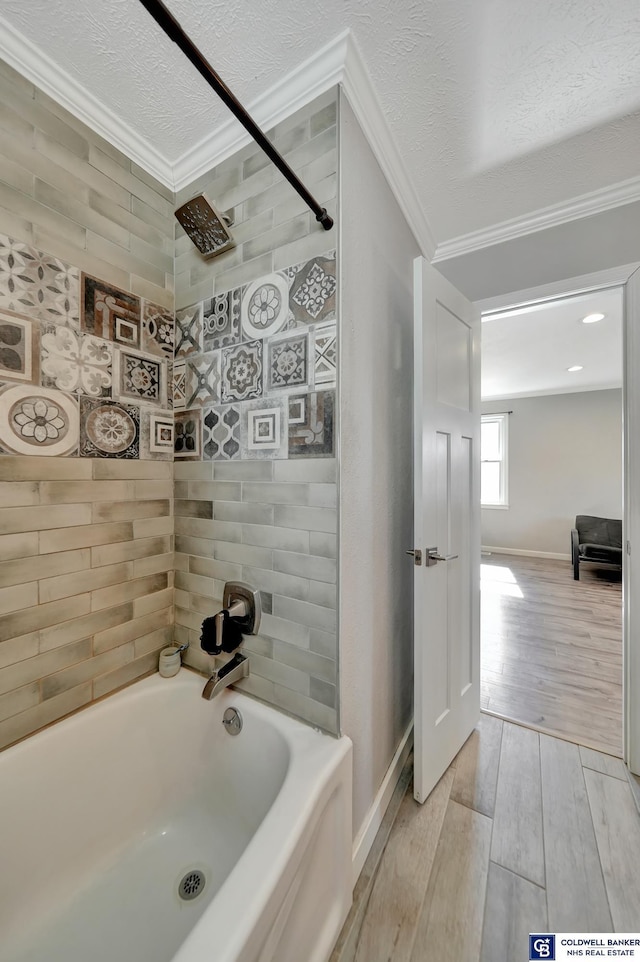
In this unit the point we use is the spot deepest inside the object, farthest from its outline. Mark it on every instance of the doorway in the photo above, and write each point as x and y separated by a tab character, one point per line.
552	449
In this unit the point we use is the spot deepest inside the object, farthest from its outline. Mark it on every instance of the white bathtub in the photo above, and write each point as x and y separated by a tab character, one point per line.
102	815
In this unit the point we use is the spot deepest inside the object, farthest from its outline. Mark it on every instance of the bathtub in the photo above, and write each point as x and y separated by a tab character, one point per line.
139	830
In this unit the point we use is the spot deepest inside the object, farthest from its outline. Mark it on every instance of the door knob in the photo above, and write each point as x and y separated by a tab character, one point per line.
417	555
433	557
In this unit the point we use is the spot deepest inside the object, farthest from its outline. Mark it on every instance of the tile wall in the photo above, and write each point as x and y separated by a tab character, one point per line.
86	312
255	382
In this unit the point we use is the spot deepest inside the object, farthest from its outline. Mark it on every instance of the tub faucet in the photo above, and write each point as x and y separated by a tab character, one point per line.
234	670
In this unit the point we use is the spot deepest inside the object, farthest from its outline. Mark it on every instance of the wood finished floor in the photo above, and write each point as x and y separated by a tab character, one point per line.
524	833
552	648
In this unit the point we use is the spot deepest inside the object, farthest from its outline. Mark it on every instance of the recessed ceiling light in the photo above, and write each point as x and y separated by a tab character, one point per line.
576	367
592	318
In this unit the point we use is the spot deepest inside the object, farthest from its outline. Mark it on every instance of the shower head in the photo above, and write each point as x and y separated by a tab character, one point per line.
206	226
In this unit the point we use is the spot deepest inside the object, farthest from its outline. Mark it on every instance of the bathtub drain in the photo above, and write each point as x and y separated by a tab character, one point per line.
191	885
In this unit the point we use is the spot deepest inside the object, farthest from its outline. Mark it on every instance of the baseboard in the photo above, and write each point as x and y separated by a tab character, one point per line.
369	828
525	553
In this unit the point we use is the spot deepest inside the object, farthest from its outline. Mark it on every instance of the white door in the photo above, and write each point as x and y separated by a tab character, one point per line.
631	568
447	523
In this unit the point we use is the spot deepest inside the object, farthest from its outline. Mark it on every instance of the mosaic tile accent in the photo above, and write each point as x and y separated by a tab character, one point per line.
221	320
36	420
311	425
188	434
203	380
110	313
161	439
265	306
263	429
188	331
18	348
313	291
33	281
179	385
109	430
242	372
77	363
157	330
287	362
324	355
138	377
221	433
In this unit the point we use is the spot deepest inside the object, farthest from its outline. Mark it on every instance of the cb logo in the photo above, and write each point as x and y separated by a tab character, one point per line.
542	947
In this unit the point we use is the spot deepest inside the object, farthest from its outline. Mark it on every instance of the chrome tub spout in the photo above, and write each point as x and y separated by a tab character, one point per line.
234	670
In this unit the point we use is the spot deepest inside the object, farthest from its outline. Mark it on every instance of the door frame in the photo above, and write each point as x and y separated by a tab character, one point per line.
589	283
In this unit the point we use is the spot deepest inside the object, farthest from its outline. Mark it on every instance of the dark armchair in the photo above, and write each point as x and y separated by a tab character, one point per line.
597	540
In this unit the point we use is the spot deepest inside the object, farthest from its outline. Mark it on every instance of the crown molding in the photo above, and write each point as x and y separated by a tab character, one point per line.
42	71
596	202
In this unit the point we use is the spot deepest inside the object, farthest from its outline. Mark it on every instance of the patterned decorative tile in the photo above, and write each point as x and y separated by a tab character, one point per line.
203	380
188	331
78	363
179	385
161	433
110	313
188	436
36	420
18	348
325	355
265	306
242	372
311	425
139	377
109	430
263	428
38	283
221	433
287	365
157	330
221	320
313	292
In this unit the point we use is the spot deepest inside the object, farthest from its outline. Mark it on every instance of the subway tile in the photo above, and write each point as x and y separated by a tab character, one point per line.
244	513
110	469
118	594
39	666
305	660
193	509
318	470
245	273
279	673
129	550
153	565
323	692
27	722
201	547
321	593
259	687
218	570
43	517
123	676
16	226
63	586
193	470
311	711
272	493
305	248
42	616
141	174
189	581
323	643
37	468
204	606
195	528
291	206
85	536
305	566
188	618
243	470
274	582
19	700
323	545
22	545
267	536
44	566
283	234
41	216
314	616
63	633
155	641
284	630
17	494
323	119
12	123
310	519
18	597
18	649
131	630
77	167
181	489
152	490
47	240
146	604
194	657
130	510
243	554
77	209
259	645
153	527
153	292
215	490
71	677
16	80
180	561
63	492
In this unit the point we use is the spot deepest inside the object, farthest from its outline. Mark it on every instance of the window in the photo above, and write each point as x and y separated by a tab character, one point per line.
493	455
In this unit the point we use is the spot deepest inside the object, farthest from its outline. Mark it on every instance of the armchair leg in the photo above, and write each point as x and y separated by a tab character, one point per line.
576	567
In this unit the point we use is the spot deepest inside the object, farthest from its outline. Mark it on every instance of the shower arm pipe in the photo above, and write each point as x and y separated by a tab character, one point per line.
174	31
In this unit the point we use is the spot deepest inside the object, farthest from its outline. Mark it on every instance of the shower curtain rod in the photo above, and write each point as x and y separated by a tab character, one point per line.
174	31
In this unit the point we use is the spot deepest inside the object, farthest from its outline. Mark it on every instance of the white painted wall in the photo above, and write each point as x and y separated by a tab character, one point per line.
565	458
376	473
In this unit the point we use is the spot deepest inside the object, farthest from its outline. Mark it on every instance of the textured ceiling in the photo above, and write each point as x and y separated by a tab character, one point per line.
527	352
499	107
